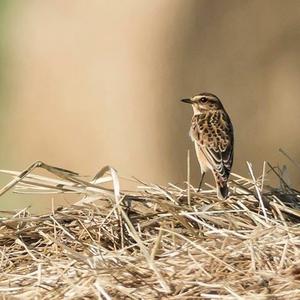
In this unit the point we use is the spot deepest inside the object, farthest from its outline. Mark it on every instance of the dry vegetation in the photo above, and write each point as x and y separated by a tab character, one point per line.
157	243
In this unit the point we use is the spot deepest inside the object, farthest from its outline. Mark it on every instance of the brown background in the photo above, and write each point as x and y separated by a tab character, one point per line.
90	83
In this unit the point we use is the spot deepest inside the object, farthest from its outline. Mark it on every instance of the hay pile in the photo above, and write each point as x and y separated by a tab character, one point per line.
158	243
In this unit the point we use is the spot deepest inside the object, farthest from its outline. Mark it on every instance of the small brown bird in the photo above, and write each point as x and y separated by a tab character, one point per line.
212	133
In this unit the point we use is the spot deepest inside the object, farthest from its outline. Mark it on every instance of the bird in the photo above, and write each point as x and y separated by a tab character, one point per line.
212	133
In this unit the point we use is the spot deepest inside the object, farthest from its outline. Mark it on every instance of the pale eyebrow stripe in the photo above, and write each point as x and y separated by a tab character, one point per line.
197	97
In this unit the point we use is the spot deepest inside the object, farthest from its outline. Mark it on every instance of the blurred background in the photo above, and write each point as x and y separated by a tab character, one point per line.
84	84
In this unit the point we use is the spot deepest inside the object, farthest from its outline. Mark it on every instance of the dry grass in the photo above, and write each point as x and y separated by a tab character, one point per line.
157	243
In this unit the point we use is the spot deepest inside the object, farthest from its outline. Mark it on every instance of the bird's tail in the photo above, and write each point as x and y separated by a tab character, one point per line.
223	191
222	187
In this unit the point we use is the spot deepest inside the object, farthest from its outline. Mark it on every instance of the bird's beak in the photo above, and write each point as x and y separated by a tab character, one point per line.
187	100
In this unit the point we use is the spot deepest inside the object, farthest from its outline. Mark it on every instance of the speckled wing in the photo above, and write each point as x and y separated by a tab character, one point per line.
213	132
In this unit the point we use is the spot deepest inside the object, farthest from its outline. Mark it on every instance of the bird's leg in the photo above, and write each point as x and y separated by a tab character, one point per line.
201	180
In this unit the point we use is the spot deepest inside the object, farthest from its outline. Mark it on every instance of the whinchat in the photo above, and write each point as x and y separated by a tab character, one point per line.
212	133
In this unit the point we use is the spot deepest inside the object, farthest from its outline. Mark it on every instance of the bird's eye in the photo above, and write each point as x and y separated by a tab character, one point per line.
203	100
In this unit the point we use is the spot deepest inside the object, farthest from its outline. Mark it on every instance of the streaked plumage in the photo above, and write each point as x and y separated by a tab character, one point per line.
212	133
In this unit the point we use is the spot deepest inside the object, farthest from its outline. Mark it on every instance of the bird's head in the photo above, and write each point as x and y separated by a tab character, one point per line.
204	102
